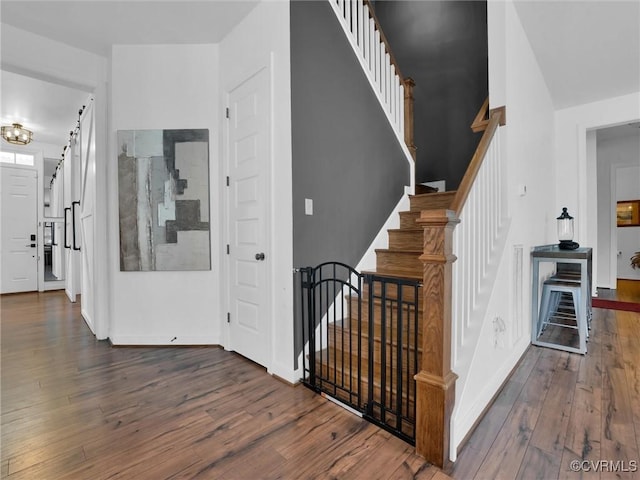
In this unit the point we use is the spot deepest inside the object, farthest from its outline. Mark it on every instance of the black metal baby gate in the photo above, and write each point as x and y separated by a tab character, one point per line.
360	335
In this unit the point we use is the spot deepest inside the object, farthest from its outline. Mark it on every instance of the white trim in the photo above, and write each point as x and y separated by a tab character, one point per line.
165	340
461	426
613	246
381	241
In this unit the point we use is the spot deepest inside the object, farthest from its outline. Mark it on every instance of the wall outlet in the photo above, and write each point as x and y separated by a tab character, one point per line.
308	206
522	189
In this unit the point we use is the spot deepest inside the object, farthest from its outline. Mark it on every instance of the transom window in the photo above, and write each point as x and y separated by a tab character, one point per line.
17	158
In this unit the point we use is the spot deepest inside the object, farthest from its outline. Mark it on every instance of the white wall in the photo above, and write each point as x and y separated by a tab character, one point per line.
165	87
516	82
612	155
262	39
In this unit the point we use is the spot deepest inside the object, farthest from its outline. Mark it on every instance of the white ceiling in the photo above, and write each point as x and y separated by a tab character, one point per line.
588	50
51	110
97	25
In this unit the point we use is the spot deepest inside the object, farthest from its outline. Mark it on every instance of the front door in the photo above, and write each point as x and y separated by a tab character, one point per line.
249	262
19	256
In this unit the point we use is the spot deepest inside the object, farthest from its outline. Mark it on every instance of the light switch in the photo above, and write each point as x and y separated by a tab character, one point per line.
308	206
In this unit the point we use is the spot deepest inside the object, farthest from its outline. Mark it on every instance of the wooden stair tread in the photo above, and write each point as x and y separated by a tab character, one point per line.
408	230
399	275
397	250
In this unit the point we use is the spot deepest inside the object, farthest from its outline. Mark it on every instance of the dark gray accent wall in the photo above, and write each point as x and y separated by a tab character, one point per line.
442	45
346	157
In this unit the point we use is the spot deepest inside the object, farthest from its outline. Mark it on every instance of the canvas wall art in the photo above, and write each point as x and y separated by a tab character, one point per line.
163	191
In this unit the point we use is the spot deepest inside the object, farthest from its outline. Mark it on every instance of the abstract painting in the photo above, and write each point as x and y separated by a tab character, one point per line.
163	194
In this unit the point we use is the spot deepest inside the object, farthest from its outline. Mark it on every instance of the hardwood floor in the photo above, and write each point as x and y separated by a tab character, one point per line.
559	407
625	291
76	408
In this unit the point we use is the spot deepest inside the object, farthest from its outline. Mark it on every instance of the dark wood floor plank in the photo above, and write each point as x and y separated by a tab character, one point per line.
551	428
506	454
600	393
76	408
539	464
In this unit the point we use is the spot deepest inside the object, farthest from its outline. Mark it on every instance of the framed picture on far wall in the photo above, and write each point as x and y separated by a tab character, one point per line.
163	193
628	213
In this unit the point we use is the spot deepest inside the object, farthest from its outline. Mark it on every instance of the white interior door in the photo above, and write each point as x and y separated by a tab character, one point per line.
249	262
87	157
19	213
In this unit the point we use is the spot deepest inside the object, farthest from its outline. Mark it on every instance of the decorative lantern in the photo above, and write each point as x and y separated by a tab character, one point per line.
565	231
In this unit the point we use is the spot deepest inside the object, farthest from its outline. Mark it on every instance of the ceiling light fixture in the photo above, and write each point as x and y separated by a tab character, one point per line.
16	134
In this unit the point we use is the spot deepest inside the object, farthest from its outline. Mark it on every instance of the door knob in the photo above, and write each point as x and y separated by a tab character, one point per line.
259	256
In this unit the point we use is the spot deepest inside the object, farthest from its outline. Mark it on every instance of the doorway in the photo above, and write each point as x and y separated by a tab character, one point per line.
618	178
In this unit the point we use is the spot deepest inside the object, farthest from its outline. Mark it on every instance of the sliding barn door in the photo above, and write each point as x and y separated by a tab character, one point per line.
71	237
86	208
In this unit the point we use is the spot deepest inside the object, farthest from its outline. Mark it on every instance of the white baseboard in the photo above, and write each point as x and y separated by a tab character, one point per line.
163	340
463	422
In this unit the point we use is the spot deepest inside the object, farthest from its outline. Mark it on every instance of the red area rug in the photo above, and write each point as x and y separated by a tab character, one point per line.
615	305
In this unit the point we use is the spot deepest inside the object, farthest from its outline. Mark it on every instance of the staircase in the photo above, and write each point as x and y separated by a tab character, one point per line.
395	352
419	263
406	243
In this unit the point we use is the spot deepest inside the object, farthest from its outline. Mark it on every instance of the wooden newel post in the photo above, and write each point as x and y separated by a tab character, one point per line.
435	383
408	115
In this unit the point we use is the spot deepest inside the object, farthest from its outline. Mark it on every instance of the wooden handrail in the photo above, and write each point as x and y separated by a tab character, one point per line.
481	122
383	38
408	116
482	118
496	118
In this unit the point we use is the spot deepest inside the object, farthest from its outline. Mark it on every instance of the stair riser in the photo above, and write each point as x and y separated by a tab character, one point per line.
391	317
406	239
399	262
408	219
431	201
343	339
408	367
391	293
390	333
350	382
